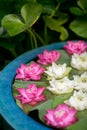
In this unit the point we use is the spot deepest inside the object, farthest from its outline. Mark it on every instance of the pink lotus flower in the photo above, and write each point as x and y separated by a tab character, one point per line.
31	95
76	47
31	72
48	57
61	117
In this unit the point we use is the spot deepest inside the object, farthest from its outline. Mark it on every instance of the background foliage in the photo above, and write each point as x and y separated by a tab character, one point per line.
27	24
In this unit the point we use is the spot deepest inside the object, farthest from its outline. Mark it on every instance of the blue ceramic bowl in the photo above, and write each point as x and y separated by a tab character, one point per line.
8	108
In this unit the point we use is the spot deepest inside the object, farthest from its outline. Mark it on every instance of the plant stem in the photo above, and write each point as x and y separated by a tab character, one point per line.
54	11
39	37
31	40
45	27
34	38
45	34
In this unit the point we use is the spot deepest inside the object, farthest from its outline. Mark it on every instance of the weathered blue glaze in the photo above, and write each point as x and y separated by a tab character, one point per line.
8	108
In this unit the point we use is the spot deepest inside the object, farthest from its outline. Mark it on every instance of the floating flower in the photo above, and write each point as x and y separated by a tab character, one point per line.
61	117
31	95
48	57
61	86
79	61
80	82
65	79
78	100
34	72
77	47
57	71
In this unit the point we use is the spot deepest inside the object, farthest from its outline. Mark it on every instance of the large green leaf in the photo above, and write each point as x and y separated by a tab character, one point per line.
31	12
13	24
79	26
56	25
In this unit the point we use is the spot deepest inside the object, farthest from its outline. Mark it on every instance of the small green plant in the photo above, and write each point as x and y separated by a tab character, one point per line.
29	15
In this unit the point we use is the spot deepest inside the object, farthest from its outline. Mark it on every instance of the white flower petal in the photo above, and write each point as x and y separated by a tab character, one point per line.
80	82
57	71
78	100
61	86
79	61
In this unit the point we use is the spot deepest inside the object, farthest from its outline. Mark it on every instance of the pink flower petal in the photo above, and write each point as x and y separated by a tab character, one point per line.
32	72
61	117
48	57
40	90
76	47
49	118
31	95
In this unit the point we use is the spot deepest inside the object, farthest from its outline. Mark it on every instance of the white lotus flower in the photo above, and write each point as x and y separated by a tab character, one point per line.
78	100
79	61
61	86
57	71
80	82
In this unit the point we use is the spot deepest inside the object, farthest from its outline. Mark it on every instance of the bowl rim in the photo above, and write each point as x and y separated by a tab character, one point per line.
7	102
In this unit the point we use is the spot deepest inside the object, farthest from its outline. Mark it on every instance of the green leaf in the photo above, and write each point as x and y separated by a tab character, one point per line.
76	11
49	95
79	26
62	18
23	84
56	25
31	13
13	24
82	114
19	104
82	4
42	108
65	58
60	99
80	125
27	108
3	33
64	33
47	5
